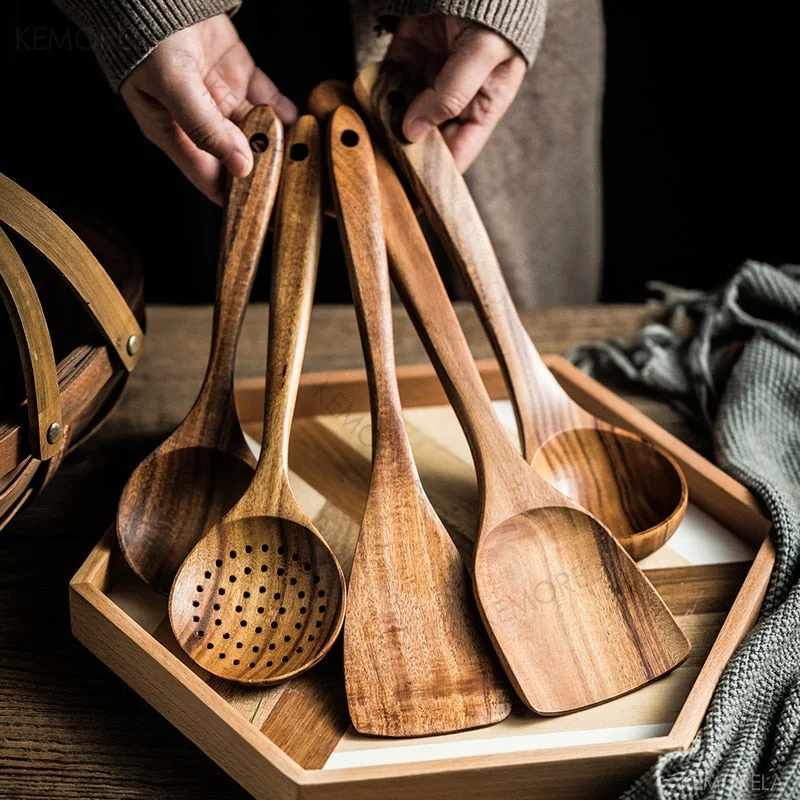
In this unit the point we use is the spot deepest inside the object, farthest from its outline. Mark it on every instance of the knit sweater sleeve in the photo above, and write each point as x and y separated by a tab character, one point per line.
521	22
124	32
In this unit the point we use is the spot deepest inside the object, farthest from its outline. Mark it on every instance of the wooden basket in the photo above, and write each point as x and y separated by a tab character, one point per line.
70	333
294	740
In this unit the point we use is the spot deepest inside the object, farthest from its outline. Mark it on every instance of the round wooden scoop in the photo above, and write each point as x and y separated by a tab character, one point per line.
417	661
573	619
261	597
191	481
636	488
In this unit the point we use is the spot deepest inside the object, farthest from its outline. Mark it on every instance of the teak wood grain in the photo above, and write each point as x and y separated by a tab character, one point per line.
193	478
573	620
416	659
36	351
59	244
635	488
261	597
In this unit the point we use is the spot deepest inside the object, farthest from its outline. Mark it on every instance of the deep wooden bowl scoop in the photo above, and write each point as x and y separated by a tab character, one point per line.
261	597
417	660
193	479
633	486
573	619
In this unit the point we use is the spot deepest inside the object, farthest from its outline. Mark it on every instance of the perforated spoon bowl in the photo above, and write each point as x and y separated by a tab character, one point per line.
633	486
193	478
261	597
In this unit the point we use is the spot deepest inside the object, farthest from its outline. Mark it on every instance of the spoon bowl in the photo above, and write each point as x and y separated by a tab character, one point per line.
266	598
633	486
192	479
202	485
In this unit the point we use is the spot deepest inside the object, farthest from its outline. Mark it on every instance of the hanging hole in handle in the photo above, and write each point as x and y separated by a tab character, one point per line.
298	151
349	138
259	142
396	99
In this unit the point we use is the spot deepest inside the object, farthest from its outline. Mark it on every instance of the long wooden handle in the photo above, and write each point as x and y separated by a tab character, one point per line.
415	274
298	233
357	203
443	194
423	293
36	351
60	245
248	206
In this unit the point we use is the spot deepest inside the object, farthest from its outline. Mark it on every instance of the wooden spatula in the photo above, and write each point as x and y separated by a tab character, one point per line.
573	619
416	659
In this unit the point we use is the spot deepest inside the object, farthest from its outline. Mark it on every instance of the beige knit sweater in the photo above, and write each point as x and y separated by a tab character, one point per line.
125	31
536	183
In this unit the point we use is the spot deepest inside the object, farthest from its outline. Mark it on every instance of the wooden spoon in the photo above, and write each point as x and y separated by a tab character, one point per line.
416	659
573	619
635	487
191	481
261	597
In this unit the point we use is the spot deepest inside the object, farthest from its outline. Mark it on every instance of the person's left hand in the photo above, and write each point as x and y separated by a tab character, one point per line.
473	74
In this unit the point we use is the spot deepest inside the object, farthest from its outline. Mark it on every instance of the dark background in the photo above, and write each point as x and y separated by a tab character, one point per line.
700	141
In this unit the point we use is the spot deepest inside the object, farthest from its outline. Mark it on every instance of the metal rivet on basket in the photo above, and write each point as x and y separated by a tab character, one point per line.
53	433
133	345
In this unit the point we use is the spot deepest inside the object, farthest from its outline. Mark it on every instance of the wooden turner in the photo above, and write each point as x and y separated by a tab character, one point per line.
635	487
573	619
416	660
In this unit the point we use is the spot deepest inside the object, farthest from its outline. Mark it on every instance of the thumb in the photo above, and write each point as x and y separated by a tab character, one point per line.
454	88
193	107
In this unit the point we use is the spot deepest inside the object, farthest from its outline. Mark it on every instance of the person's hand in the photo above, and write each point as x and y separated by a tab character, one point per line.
473	74
190	92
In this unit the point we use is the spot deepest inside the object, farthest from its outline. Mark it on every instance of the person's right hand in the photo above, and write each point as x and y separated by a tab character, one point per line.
190	92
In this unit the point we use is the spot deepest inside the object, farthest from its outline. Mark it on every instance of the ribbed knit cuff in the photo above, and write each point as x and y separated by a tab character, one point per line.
124	32
521	22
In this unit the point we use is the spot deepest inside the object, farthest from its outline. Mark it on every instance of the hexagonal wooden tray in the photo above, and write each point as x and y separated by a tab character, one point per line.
294	740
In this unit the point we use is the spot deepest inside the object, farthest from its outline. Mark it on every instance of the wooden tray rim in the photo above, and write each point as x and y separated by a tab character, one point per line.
419	387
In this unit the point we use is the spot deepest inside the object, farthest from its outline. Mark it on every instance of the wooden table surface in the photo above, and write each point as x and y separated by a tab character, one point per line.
69	728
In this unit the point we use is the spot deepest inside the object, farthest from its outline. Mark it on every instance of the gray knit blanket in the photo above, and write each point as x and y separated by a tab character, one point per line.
731	359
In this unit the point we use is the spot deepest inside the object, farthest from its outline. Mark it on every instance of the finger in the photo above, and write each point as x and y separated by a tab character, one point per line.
202	169
467	135
402	49
466	140
421	65
159	127
455	86
262	90
232	104
408	47
194	108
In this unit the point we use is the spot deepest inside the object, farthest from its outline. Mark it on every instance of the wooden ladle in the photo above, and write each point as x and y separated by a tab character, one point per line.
633	486
573	619
191	480
416	658
261	597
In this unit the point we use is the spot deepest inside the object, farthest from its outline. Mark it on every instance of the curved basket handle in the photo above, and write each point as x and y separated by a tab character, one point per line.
45	426
57	242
